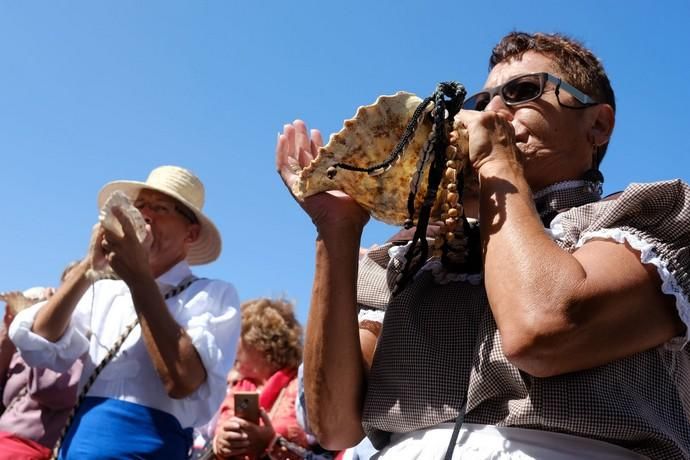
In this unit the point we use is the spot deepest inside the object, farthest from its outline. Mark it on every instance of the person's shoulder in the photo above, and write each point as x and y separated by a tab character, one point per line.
669	198
650	213
215	283
664	188
645	196
221	290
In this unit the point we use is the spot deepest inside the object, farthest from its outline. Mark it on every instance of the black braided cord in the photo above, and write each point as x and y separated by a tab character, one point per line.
448	99
405	140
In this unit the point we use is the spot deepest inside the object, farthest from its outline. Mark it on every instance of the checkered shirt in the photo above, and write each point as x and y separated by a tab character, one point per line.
439	342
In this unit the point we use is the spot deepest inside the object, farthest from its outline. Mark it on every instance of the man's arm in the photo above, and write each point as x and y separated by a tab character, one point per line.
334	369
557	312
170	347
560	312
53	318
333	365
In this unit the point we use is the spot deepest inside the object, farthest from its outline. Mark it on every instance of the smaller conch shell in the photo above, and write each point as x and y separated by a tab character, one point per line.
109	221
365	141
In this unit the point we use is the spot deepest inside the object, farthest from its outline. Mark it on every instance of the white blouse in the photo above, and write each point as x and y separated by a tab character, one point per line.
208	310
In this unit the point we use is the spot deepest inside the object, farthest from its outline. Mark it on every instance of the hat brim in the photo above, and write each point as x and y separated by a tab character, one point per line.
207	246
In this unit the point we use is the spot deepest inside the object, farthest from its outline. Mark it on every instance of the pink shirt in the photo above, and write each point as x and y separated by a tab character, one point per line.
39	412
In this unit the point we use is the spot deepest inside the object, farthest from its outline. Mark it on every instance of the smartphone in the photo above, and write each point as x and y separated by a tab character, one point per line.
247	405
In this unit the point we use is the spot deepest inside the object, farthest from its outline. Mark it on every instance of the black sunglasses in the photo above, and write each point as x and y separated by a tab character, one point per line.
525	88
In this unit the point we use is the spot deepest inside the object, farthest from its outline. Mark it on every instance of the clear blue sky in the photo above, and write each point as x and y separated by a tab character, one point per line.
93	91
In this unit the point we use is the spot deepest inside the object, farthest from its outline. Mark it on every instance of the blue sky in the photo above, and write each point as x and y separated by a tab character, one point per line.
93	91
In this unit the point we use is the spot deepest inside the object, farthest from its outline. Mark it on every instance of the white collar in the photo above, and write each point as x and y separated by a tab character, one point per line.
175	275
558	187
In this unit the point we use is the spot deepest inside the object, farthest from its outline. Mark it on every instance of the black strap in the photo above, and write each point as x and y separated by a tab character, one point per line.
456	431
458	421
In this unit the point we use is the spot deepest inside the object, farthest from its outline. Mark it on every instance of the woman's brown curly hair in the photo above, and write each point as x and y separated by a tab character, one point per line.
270	326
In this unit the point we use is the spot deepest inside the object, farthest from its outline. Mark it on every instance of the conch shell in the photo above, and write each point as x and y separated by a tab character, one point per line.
108	220
367	140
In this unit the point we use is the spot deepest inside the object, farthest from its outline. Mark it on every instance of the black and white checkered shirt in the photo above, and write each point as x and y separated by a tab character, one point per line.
438	337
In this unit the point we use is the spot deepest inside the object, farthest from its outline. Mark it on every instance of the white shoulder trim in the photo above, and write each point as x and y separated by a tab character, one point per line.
648	255
366	314
555	230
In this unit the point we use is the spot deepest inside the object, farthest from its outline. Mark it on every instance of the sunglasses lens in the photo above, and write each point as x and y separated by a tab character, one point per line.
522	89
477	102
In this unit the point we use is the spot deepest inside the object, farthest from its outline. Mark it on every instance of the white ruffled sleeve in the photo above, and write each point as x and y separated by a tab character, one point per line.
653	219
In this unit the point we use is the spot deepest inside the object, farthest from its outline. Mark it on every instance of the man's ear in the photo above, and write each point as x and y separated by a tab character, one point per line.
602	127
193	232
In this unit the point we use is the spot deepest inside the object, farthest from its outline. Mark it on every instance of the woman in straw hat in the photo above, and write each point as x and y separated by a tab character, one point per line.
157	342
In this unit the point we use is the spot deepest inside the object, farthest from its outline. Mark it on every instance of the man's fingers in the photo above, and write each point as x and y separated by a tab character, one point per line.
109	234
301	135
124	220
105	245
286	162
316	142
302	143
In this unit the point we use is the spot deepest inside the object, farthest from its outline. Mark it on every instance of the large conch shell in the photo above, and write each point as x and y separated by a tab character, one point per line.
367	140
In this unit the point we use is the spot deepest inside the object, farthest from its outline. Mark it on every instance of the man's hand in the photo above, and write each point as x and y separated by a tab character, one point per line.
491	138
128	257
294	151
96	256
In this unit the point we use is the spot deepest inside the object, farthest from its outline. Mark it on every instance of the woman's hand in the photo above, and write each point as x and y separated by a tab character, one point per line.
295	149
238	437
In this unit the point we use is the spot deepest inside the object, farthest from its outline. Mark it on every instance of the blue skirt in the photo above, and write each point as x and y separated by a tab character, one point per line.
107	428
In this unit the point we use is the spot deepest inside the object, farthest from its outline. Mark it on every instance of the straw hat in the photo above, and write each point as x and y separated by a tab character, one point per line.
182	185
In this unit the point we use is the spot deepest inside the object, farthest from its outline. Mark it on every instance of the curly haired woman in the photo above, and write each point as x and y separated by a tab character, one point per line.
268	355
